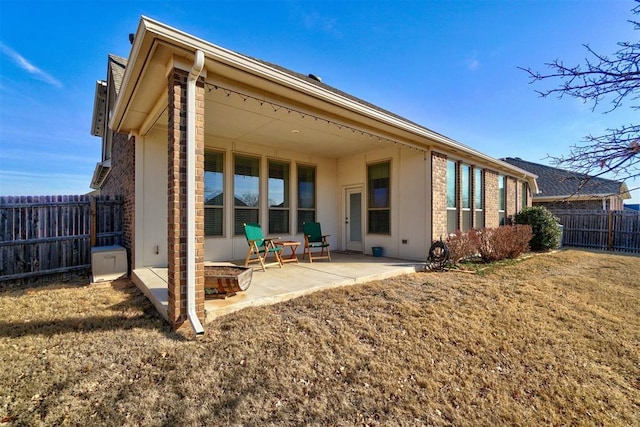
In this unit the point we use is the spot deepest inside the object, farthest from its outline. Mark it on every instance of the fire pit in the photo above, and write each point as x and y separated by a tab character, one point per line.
225	280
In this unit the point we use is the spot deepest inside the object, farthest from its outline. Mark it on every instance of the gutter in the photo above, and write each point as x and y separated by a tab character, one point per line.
198	65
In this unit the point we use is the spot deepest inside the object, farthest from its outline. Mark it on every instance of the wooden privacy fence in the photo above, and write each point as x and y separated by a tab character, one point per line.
609	230
44	235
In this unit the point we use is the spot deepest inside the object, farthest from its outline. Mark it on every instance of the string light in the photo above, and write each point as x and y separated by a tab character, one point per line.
277	107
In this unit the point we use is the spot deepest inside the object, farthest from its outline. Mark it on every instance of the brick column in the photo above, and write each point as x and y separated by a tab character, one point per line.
511	205
177	199
491	201
438	196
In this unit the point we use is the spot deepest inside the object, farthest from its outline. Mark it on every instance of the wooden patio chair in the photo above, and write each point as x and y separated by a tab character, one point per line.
314	239
260	247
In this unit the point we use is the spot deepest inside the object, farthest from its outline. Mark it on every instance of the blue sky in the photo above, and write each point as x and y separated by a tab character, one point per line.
448	65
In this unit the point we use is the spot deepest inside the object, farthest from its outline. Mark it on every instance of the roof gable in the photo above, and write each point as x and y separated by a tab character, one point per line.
562	184
117	64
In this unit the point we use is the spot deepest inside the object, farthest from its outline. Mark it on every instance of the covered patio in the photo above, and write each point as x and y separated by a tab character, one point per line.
281	284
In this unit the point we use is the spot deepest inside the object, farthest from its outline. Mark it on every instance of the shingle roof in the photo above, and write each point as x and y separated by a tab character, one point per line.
337	91
554	182
117	65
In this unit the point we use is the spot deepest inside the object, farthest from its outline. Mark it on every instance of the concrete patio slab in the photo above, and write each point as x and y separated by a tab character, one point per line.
281	284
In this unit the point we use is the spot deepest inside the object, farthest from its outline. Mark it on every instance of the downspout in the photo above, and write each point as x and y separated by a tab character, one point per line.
198	65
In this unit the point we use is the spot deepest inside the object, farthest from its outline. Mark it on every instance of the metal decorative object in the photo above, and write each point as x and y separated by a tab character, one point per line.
438	256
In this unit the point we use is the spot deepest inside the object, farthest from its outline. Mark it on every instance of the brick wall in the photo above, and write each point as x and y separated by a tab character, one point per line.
121	182
177	199
438	195
491	217
512	197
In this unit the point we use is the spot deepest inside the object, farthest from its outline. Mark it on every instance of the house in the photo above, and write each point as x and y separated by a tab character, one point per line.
198	139
562	189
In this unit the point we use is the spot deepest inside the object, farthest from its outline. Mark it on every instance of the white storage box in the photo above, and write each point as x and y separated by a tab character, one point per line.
108	262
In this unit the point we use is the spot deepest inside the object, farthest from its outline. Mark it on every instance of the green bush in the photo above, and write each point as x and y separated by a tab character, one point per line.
546	231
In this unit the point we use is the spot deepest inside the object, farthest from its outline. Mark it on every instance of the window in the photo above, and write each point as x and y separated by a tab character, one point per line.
379	192
452	196
478	185
278	197
306	195
213	193
246	192
502	199
467	191
525	190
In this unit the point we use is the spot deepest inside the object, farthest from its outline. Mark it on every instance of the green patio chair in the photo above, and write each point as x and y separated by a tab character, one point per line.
260	247
314	239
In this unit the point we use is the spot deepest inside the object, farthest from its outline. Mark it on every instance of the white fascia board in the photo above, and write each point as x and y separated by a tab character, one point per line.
149	28
624	191
99	108
128	80
100	173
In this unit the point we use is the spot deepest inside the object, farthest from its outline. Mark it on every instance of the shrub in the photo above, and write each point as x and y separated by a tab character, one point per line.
462	245
508	241
546	231
492	244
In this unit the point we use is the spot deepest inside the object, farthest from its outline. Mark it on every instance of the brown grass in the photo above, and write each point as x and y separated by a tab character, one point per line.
553	339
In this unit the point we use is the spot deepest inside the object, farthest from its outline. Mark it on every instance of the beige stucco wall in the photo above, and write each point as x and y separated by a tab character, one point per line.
230	247
412	198
151	199
410	203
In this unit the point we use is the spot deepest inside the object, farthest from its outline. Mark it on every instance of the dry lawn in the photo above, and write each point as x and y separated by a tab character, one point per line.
551	340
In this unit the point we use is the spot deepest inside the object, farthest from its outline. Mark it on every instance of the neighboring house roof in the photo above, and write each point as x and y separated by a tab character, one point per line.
560	184
632	207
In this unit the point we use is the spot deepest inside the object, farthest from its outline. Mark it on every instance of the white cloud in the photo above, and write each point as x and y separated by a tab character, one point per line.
29	67
316	21
473	64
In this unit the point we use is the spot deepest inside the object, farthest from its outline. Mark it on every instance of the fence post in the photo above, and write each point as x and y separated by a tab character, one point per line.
610	231
92	225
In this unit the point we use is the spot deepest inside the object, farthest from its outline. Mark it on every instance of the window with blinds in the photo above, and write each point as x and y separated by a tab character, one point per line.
478	184
502	198
278	197
452	196
379	198
246	192
466	193
213	193
306	195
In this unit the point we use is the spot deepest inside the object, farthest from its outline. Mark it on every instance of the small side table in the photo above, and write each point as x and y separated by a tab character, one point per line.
293	247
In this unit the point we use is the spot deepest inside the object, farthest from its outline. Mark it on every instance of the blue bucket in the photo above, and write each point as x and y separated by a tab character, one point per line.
376	251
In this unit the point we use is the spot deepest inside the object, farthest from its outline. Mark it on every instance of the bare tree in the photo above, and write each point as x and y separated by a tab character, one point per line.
614	78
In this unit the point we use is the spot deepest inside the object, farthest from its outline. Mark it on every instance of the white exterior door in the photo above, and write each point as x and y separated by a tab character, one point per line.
353	219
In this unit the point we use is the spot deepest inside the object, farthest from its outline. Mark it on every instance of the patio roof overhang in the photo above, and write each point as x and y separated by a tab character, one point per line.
249	101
